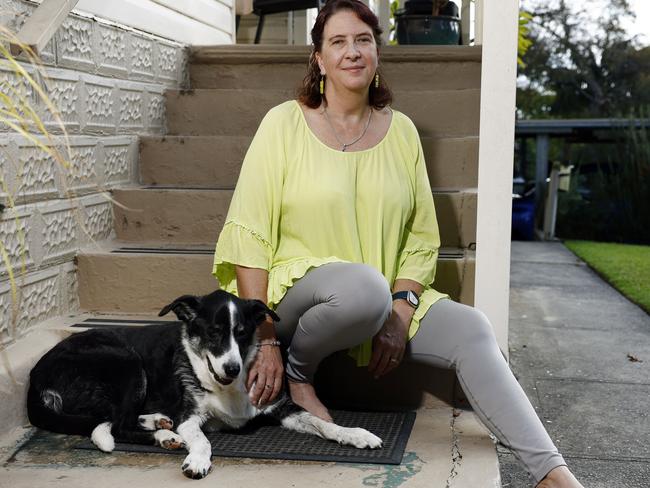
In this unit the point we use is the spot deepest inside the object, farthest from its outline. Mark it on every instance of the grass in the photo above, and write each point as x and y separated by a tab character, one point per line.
625	266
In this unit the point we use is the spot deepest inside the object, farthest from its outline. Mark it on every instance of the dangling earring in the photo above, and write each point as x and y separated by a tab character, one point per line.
377	80
322	84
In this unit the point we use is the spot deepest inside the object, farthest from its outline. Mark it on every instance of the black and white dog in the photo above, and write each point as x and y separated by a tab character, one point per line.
137	383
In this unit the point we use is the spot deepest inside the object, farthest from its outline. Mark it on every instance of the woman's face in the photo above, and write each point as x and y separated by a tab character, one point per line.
348	55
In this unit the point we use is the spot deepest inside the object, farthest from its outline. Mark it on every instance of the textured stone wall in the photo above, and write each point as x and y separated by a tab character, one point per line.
108	83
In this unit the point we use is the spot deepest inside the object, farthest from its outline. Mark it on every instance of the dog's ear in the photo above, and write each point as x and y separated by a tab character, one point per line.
256	310
184	307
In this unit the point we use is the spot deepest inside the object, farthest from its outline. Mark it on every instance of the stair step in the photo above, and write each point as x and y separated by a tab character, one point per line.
145	280
260	53
406	67
210	161
437	113
190	160
181	215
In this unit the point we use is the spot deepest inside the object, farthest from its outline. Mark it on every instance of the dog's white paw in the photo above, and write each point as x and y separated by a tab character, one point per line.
196	466
155	421
102	437
358	437
168	439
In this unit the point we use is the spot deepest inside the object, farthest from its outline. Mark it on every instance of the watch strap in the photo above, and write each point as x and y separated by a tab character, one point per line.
400	295
404	295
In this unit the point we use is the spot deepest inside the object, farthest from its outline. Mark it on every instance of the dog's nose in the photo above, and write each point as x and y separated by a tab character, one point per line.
231	369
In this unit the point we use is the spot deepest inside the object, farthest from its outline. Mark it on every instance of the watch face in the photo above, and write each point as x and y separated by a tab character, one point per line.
413	299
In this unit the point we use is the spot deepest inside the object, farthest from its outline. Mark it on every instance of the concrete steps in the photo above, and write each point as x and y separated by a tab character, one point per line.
188	175
196	216
438	113
127	278
283	67
215	161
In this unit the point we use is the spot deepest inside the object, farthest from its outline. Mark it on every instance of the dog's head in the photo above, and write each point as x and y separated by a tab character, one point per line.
220	331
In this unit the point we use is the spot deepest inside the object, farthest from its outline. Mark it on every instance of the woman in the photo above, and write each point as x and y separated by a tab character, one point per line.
332	205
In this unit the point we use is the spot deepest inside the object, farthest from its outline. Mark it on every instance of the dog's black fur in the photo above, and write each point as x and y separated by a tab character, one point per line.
136	383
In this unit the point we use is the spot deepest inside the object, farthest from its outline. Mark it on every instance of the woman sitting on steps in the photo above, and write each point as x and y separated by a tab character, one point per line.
333	224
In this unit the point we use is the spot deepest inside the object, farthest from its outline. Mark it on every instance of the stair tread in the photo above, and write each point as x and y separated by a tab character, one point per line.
157	247
241	54
290	92
190	188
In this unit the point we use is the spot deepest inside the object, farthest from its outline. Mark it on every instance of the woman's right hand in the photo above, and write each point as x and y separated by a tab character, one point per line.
265	375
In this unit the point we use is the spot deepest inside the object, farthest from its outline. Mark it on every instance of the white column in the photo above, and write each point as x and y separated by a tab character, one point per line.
478	21
496	154
465	22
383	12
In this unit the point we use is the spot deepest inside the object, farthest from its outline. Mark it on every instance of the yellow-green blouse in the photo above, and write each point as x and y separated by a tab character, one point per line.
300	204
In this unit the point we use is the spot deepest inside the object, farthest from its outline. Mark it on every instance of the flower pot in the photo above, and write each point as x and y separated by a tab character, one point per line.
419	7
426	29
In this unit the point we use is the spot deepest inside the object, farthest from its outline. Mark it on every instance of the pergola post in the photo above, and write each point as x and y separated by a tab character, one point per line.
541	168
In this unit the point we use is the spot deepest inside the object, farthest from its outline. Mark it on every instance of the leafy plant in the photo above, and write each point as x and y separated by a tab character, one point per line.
392	35
523	39
610	204
631	184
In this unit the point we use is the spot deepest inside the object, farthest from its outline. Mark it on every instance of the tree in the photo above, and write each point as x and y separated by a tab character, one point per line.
582	63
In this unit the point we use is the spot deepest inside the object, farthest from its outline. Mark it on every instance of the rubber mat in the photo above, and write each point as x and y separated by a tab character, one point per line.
262	440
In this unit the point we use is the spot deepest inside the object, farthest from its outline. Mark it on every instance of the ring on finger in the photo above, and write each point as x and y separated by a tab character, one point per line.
394	360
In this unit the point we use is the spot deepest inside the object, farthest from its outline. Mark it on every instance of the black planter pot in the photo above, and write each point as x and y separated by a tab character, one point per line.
426	29
418	7
425	7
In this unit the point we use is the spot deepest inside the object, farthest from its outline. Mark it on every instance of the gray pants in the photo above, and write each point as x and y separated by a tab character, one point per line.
339	305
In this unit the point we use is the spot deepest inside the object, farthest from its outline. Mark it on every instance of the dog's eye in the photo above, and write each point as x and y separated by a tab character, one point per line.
215	330
240	331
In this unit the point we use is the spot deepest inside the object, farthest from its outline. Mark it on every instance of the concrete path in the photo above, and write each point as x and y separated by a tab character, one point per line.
570	336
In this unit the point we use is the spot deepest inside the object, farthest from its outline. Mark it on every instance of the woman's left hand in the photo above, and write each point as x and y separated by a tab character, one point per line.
389	344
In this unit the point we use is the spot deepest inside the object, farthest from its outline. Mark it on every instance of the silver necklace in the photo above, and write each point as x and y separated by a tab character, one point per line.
344	145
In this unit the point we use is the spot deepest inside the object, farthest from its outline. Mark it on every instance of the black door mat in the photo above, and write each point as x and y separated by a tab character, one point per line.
262	440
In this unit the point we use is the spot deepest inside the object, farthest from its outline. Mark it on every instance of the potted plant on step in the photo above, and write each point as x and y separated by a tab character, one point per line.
428	22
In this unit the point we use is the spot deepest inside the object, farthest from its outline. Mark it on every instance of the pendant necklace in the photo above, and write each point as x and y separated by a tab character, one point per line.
344	145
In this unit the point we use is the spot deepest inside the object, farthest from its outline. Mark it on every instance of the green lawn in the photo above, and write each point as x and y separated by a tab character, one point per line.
624	266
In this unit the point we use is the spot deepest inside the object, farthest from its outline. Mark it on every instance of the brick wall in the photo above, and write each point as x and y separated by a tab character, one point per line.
108	84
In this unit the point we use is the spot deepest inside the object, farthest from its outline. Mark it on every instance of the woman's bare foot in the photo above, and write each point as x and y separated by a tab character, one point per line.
560	477
304	395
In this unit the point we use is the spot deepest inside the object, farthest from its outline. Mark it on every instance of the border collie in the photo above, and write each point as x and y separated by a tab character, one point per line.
160	384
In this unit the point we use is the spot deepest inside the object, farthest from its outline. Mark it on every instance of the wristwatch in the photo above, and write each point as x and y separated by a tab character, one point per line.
409	296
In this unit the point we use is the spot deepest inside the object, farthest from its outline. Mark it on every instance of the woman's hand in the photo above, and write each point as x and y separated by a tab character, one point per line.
265	375
389	343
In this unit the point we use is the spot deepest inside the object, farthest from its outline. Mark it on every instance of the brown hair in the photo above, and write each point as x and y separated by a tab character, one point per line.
309	92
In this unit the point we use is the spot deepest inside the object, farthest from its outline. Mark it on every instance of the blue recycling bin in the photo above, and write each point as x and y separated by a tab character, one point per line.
523	218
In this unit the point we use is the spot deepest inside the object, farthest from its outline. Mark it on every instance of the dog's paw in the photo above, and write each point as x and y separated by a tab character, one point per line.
102	437
360	438
168	439
196	466
155	421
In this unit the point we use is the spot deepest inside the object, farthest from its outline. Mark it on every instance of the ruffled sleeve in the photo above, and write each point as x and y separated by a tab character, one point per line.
249	235
419	249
